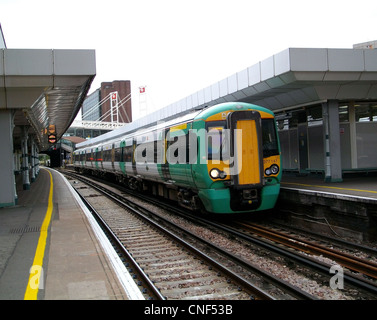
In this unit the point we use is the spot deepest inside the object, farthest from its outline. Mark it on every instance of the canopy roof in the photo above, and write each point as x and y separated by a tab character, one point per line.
292	78
44	87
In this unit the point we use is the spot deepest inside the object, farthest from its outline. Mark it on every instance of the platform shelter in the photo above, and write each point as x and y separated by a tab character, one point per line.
41	91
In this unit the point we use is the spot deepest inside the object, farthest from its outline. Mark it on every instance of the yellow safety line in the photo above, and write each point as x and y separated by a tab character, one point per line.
319	186
36	270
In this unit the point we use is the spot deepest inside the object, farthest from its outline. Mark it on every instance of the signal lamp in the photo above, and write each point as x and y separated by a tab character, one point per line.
52	138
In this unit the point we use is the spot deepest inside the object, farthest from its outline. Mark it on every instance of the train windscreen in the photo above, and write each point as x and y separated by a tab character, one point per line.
269	139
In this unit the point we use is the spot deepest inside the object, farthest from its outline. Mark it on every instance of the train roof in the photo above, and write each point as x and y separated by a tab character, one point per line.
121	133
127	129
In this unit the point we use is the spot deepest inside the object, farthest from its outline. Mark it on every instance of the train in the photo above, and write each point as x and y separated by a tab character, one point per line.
223	159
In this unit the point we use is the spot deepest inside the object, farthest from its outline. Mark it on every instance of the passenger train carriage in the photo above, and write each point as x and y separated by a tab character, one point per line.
223	159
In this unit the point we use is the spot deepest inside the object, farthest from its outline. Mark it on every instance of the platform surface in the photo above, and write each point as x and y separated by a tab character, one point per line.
353	186
75	266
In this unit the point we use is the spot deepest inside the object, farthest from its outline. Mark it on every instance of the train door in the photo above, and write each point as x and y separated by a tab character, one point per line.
101	156
134	145
147	156
177	155
122	163
128	157
112	157
161	156
246	149
97	158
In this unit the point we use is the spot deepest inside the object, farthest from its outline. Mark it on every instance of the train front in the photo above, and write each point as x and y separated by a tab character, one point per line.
242	155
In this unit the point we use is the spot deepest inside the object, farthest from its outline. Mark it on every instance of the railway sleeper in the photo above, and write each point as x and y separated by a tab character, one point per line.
217	290
183	276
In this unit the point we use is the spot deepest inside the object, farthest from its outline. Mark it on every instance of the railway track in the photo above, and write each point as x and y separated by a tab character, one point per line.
351	262
166	266
283	244
268	244
269	239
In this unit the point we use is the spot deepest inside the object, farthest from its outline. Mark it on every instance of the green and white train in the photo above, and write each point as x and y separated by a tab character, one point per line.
224	159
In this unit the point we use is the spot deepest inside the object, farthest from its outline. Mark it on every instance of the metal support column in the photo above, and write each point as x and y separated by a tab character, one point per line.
333	163
8	196
353	142
25	159
17	162
32	158
36	160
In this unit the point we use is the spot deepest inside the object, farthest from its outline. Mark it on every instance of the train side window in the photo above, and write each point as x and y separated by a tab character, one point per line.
176	149
128	153
117	155
107	155
148	151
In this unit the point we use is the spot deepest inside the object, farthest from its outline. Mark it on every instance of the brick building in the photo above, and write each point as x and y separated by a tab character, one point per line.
123	87
93	110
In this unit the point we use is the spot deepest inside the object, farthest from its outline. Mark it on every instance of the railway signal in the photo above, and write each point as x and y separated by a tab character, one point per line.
52	134
52	138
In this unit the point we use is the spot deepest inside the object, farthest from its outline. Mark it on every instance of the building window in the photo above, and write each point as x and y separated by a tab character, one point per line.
343	113
366	112
314	116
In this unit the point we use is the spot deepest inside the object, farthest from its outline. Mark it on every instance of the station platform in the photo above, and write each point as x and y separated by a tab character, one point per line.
50	249
361	188
346	209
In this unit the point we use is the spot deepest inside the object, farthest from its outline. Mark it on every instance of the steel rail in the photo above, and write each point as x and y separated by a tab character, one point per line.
111	235
312	263
351	262
283	285
131	206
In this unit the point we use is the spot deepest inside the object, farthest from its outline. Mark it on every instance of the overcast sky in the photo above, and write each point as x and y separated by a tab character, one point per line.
177	47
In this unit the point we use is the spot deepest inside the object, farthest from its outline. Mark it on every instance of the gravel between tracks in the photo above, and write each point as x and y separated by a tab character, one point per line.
278	266
275	265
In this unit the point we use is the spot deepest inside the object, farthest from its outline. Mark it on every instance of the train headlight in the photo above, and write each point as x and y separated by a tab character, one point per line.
274	169
222	175
217	174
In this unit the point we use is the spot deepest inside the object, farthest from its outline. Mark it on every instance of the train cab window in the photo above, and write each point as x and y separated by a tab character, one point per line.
216	140
269	139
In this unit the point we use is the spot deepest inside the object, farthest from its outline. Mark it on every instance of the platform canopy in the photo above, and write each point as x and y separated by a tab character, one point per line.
287	80
43	88
299	76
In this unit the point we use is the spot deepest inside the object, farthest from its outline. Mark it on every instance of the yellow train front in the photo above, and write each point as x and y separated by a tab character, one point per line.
242	155
223	159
